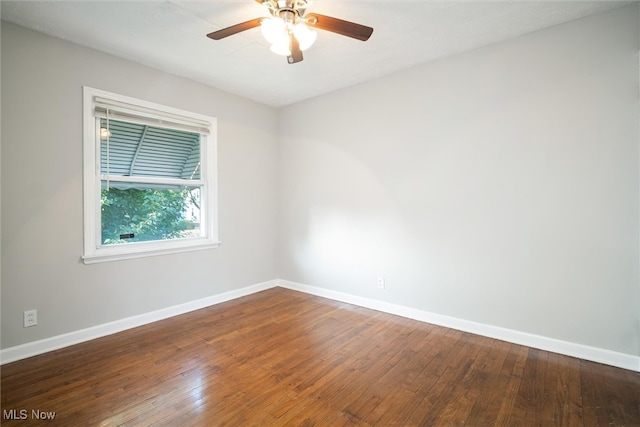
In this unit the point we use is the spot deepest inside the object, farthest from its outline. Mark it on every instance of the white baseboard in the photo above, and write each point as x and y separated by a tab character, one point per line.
34	348
581	351
607	357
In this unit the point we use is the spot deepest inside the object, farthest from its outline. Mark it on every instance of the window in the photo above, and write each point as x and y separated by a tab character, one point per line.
149	178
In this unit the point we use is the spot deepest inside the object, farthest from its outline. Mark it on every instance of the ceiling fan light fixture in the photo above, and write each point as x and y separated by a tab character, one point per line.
274	30
281	48
306	37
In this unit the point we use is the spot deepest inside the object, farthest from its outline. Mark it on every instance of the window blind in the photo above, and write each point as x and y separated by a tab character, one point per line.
123	111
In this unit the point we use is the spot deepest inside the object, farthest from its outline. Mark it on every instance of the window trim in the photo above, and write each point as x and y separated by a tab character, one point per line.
94	252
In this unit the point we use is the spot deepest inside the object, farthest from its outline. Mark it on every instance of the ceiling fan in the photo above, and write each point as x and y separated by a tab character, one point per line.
289	29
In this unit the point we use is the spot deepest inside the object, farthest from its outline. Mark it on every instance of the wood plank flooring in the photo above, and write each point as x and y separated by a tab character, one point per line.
281	357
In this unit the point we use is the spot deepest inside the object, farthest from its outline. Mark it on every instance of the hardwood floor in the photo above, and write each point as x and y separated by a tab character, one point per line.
281	357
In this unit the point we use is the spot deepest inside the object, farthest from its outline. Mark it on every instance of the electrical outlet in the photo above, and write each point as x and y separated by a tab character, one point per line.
30	318
380	282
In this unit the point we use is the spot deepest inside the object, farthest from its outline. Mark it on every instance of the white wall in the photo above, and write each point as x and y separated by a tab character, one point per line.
499	186
42	81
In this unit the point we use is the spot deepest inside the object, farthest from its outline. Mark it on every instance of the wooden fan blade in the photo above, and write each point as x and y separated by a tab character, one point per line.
339	26
294	47
235	29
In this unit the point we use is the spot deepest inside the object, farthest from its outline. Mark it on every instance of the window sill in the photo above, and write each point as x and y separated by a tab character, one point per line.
108	255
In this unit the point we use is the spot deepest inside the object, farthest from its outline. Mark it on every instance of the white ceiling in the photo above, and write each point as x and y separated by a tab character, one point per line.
170	35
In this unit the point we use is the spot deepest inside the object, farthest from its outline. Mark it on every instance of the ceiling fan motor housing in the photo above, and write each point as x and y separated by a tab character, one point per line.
289	17
289	10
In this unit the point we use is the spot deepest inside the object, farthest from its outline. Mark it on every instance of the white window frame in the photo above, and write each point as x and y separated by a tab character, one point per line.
94	251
